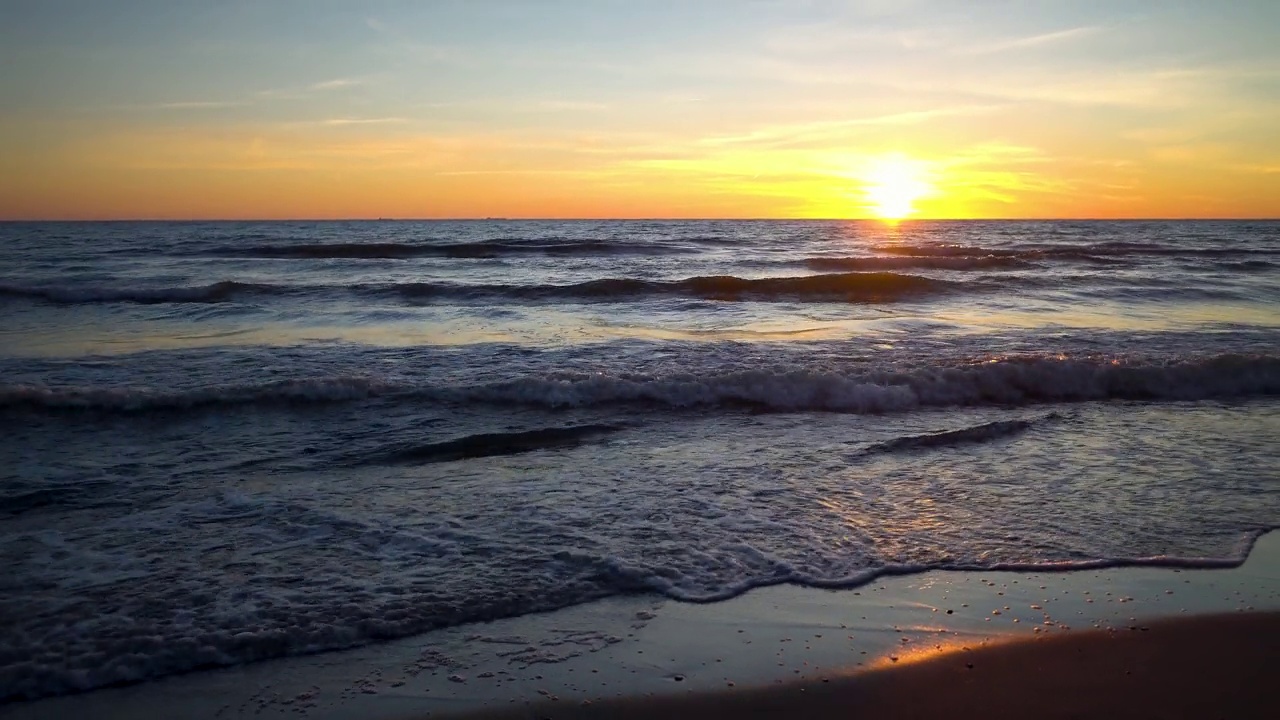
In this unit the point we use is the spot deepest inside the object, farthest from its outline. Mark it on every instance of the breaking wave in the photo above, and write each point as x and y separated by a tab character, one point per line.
1006	382
849	287
1009	381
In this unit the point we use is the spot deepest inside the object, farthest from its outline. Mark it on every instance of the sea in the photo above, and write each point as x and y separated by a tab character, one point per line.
228	442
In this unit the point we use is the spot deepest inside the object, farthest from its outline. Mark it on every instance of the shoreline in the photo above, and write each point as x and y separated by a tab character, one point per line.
1203	666
632	649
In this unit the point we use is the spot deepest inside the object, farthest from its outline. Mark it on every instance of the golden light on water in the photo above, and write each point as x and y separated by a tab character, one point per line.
892	184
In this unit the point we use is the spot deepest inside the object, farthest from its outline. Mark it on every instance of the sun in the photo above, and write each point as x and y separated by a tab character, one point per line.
892	184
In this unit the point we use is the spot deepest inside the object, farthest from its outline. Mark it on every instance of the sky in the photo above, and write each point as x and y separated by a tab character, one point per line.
639	108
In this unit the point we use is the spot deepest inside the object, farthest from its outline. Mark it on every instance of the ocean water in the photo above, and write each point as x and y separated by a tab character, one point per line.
228	442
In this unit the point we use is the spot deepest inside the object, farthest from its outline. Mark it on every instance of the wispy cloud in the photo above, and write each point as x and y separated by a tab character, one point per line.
518	171
336	84
337	122
176	106
823	131
570	106
1030	41
196	105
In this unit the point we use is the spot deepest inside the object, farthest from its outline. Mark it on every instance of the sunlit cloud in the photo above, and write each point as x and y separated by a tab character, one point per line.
570	106
197	105
336	84
1031	41
338	122
797	134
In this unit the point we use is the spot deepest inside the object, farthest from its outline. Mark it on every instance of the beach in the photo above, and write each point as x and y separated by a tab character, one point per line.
1206	667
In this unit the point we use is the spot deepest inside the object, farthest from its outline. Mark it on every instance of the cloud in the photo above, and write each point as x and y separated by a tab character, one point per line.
362	121
571	106
829	130
1030	41
336	84
519	171
304	91
195	105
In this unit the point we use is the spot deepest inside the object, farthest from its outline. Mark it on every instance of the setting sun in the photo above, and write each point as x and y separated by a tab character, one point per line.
892	184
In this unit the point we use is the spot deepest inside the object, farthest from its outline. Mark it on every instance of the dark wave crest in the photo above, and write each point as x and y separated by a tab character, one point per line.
977	262
212	293
848	287
134	400
481	249
1246	265
1097	253
32	499
494	444
976	434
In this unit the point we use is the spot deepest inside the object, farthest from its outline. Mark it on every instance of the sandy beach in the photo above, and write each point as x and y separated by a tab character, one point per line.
1221	666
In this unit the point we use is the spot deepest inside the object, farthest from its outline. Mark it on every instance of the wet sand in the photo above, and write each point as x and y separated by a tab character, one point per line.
1220	666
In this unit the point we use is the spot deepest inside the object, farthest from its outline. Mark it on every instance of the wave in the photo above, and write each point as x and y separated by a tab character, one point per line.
103	651
978	262
481	249
1013	381
662	585
1101	253
849	287
293	632
976	434
32	499
1246	265
1006	381
131	400
212	293
495	444
944	250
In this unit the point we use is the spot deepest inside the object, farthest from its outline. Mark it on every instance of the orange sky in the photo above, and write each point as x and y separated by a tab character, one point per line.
1133	109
